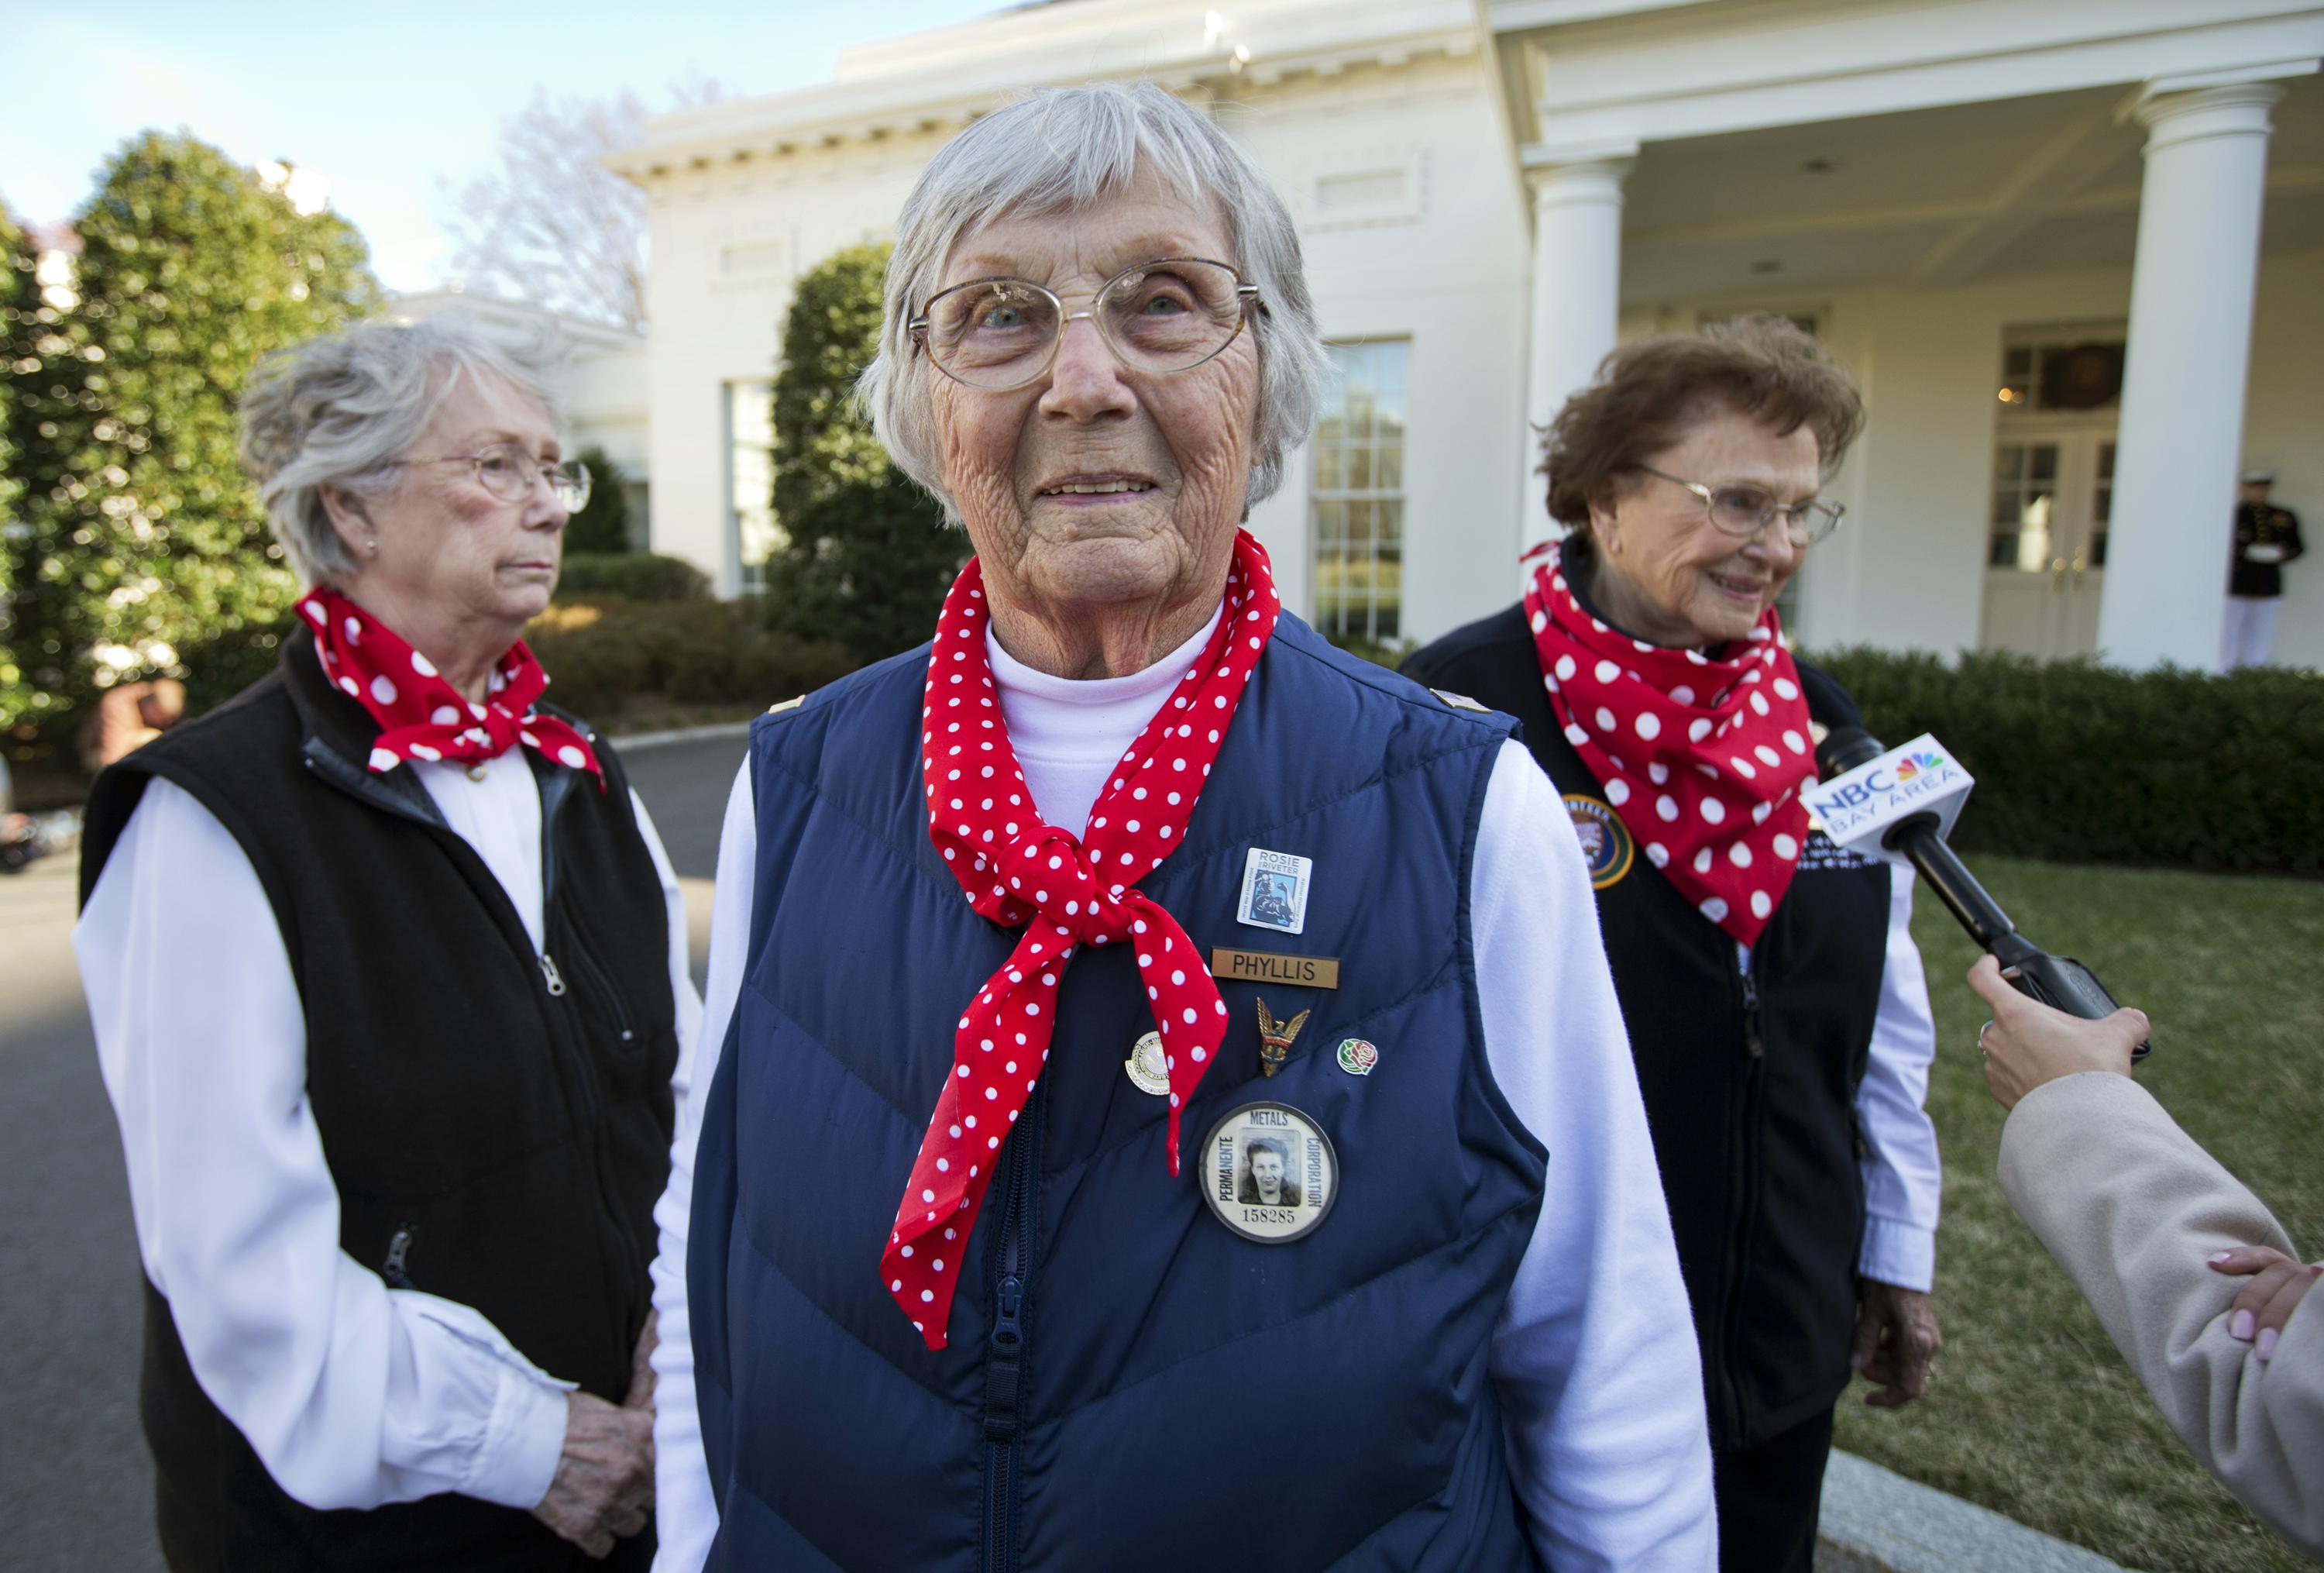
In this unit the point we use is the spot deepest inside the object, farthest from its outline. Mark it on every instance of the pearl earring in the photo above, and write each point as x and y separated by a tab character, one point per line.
372	546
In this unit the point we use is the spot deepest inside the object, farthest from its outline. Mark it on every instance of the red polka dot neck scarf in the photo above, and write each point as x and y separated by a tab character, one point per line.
1064	891
422	716
1702	759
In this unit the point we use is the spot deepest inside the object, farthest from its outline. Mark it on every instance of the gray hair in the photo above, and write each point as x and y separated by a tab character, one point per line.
336	411
1062	148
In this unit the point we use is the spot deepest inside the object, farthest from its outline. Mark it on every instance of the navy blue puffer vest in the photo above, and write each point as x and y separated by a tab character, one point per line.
1166	1394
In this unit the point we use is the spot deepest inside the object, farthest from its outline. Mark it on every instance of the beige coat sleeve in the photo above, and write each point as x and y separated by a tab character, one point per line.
2131	1208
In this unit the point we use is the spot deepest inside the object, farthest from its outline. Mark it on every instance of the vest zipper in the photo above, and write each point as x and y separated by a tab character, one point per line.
1746	1191
1004	1361
393	1270
551	976
598	975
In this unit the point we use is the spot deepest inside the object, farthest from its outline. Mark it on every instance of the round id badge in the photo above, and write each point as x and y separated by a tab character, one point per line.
1268	1172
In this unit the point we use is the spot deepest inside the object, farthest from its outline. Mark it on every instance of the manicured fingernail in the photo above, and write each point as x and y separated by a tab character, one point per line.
2242	1324
2222	1256
2267	1343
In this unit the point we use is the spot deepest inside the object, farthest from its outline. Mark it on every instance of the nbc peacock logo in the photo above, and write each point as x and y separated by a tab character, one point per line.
1912	764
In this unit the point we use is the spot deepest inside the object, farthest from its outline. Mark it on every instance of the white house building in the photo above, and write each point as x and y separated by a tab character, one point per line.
2073	253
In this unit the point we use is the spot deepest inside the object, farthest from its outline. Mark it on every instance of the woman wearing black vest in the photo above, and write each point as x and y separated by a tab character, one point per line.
388	972
1774	1000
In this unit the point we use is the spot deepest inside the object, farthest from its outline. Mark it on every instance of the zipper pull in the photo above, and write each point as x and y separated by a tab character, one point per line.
549	971
1752	1043
1001	1370
393	1270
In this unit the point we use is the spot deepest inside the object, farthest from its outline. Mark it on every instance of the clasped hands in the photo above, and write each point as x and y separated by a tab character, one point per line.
604	1481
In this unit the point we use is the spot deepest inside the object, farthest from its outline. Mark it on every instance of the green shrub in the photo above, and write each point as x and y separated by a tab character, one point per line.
632	576
2078	762
603	659
603	526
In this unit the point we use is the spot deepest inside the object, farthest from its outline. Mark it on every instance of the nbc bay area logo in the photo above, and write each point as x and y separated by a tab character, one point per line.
1606	844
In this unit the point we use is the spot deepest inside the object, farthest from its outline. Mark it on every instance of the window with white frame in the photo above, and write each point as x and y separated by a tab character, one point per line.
751	532
1357	494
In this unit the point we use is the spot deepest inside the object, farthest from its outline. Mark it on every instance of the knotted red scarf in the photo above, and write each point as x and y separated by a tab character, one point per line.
1023	872
423	716
1702	759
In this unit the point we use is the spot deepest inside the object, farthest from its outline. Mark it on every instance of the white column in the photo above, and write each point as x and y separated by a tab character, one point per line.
2183	394
1577	287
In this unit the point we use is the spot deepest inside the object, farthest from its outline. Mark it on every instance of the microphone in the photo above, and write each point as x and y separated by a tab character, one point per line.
1898	805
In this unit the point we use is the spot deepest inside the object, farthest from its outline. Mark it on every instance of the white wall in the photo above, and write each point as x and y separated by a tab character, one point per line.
728	243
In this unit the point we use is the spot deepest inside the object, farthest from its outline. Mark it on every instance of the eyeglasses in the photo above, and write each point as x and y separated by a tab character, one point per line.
1744	511
509	473
1168	315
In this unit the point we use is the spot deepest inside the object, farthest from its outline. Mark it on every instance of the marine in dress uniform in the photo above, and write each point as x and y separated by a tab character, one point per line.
2266	538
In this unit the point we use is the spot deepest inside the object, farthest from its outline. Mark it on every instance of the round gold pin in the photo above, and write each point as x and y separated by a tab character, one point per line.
1149	1067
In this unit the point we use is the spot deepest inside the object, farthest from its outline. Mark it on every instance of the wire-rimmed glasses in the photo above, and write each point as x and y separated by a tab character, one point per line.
1168	315
1744	511
509	473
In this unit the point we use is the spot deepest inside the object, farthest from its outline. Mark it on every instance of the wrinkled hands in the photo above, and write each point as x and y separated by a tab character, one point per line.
1897	1342
2028	1043
604	1481
2265	1304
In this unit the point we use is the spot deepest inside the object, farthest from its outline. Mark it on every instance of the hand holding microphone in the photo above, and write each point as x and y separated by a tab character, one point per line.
1898	805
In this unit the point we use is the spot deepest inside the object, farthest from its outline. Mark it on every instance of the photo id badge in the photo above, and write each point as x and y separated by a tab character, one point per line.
1275	891
1269	1174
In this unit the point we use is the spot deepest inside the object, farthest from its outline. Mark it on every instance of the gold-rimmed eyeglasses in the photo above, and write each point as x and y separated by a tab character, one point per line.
1168	315
509	473
1743	512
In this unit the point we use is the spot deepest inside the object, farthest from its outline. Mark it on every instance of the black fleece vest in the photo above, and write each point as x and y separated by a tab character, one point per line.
497	1121
1749	1077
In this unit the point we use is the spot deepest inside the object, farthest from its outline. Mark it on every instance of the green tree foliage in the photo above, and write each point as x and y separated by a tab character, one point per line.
603	526
867	559
145	539
20	301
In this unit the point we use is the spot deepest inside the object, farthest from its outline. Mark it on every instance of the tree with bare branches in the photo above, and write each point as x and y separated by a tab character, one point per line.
550	223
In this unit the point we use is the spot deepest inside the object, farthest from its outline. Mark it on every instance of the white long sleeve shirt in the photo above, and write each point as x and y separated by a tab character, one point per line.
352	1393
1903	1182
1593	1356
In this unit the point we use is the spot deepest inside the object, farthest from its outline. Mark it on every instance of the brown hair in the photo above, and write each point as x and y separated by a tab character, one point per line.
1646	393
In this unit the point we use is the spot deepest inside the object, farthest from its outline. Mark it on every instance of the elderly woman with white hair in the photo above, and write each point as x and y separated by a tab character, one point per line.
1027	942
388	971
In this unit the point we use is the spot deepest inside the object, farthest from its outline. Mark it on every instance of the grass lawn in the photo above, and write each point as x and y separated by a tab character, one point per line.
2032	1412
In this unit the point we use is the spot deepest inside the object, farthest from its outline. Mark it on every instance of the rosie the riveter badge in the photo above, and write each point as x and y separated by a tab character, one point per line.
1269	1173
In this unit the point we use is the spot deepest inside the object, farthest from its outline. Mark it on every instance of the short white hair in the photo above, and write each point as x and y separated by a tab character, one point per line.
335	413
1062	148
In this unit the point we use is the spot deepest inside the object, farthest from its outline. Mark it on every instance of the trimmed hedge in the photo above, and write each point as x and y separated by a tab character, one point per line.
2078	762
588	577
601	657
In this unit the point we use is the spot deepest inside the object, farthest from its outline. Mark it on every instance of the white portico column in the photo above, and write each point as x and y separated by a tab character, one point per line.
2183	394
1577	286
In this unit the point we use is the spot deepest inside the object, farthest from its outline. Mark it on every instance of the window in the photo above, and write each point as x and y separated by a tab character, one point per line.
751	529
1358	495
2025	497
2045	371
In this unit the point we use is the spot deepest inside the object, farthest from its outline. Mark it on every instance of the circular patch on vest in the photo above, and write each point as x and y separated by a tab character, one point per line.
1149	1067
1606	844
1268	1172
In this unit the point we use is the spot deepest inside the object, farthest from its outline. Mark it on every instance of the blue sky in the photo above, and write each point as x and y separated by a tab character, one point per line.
393	103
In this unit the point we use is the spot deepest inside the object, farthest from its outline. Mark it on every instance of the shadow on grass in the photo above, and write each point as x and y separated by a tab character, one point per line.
2033	1414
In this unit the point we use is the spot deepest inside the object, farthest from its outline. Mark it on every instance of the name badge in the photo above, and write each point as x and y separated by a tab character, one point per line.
1269	966
1269	1174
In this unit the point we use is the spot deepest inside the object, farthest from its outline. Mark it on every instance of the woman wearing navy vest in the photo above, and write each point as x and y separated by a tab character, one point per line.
1166	1106
1775	1000
388	972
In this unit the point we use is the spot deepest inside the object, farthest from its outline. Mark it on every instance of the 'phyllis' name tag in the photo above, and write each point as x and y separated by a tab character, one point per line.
1267	966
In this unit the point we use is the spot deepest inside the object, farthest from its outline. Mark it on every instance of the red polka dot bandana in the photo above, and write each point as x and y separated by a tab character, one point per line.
1023	872
1704	759
423	716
